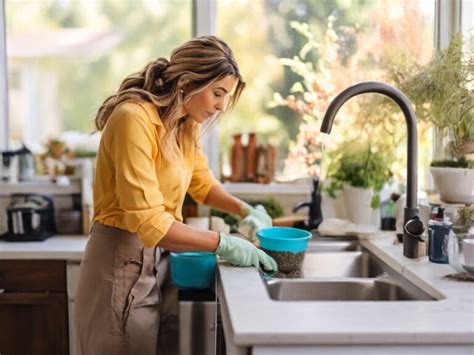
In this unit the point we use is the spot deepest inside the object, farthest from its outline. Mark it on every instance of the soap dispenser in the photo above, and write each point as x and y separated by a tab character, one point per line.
439	228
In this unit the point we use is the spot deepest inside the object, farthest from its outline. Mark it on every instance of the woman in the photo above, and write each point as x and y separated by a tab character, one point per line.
149	157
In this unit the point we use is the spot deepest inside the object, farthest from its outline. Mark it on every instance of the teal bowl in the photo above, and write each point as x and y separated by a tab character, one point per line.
287	239
193	270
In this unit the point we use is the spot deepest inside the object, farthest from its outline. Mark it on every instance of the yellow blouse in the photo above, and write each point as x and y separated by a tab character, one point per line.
135	188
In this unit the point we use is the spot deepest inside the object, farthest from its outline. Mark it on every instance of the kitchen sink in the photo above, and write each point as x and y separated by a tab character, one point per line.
341	264
344	290
343	270
339	257
325	244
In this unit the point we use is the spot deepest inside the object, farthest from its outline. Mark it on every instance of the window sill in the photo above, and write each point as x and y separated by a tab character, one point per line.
272	188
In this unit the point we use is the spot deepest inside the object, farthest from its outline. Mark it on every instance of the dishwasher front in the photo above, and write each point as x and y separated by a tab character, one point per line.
200	326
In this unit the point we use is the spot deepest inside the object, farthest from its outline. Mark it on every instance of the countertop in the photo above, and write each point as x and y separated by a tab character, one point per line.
256	319
58	247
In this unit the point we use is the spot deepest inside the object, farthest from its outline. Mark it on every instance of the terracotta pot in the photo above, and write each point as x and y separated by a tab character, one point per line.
464	148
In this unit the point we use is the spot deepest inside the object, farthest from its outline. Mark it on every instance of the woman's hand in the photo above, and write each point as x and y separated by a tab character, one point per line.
240	252
254	220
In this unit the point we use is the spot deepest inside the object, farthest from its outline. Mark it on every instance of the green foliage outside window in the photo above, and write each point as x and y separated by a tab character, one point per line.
331	60
147	29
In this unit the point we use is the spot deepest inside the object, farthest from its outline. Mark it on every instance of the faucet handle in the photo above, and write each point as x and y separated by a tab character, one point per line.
415	228
301	205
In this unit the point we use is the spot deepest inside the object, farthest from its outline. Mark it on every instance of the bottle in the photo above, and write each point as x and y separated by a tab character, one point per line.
261	162
237	159
271	161
387	212
251	158
439	228
26	164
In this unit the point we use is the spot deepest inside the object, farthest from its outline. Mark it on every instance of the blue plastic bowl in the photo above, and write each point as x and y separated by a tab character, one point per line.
193	270
284	239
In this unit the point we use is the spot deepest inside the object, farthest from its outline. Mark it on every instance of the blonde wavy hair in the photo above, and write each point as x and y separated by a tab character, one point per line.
194	65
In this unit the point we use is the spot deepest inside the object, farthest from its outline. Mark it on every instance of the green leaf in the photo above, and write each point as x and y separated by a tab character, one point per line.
286	61
307	48
297	87
375	202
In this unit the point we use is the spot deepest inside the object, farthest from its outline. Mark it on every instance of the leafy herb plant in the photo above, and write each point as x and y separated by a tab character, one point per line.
358	166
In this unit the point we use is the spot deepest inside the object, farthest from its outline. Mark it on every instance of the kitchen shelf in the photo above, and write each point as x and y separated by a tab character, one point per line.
41	187
264	189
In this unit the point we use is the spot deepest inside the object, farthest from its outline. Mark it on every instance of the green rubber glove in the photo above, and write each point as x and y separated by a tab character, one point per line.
240	252
255	219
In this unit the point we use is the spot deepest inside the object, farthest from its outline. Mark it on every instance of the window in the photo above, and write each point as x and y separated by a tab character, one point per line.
85	48
467	16
65	57
354	41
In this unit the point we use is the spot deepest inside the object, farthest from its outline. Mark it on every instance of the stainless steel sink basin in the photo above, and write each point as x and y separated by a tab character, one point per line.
341	264
343	270
338	257
343	290
325	244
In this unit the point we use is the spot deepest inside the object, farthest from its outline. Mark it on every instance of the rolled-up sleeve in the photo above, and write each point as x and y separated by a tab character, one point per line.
202	179
133	148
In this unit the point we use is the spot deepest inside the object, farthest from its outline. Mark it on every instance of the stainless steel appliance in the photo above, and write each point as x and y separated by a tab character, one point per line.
200	326
17	165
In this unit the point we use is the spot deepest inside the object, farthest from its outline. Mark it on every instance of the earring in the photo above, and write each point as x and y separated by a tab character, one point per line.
180	96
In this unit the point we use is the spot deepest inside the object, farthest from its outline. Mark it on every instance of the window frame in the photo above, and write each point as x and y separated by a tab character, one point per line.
448	20
204	23
4	124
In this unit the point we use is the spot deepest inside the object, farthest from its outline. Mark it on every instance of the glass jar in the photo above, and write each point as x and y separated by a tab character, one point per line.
461	252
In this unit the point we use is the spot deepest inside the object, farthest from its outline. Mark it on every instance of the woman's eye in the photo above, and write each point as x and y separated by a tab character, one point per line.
217	94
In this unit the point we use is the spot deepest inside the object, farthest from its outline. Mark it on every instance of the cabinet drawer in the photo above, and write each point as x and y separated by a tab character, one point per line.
33	323
33	275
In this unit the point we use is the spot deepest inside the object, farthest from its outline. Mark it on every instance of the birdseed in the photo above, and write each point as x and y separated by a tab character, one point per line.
287	262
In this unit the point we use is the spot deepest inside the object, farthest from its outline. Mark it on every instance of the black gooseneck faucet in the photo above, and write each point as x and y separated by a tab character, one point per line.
413	227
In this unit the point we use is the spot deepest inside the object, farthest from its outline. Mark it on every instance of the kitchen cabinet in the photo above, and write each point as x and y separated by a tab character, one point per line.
33	307
51	267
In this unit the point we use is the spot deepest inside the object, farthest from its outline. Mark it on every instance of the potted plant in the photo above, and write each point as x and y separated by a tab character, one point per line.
58	159
442	92
464	225
359	171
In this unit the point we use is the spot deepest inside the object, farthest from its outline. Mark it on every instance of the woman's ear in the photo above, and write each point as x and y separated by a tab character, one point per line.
187	88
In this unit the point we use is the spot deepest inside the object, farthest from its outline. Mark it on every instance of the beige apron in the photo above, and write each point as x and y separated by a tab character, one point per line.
117	298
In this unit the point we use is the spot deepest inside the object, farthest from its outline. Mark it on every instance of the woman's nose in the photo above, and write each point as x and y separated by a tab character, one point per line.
220	105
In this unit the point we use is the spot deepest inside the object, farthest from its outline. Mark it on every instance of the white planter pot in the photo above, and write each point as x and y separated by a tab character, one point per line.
333	207
357	205
454	185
